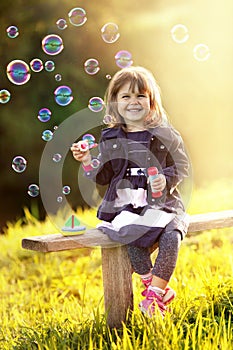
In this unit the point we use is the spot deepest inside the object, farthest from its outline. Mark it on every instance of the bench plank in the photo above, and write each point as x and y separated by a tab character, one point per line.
212	220
57	242
94	237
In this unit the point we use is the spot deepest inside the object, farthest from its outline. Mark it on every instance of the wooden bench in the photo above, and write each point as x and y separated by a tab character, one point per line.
116	268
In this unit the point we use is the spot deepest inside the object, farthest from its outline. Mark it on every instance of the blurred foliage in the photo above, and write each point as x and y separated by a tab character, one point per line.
20	129
197	95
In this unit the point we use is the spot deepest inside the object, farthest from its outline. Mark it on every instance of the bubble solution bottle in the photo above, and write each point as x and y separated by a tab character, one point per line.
153	173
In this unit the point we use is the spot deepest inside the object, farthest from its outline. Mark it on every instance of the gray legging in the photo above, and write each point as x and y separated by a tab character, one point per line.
165	263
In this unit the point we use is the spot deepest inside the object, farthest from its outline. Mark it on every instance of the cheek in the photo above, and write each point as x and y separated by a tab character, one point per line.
147	108
120	107
147	104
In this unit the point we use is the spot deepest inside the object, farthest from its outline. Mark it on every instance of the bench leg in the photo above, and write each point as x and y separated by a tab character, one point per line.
117	281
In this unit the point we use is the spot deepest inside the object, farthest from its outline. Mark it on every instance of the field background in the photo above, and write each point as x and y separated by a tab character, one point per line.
55	301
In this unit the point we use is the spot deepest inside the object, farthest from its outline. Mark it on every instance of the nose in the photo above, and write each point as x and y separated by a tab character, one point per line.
133	100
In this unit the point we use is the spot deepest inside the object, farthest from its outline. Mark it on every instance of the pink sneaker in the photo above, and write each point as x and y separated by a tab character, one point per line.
169	295
149	304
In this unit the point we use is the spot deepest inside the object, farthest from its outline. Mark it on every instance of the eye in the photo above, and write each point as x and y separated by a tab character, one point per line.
142	95
125	96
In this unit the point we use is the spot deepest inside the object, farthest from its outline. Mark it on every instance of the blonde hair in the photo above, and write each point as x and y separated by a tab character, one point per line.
144	80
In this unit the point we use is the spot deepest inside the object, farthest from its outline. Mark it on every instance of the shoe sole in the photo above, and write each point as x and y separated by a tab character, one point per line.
147	313
144	311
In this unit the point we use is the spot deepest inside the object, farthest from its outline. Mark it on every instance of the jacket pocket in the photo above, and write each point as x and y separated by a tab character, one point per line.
160	153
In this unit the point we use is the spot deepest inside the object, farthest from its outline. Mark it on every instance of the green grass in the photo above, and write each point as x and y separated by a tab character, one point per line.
55	301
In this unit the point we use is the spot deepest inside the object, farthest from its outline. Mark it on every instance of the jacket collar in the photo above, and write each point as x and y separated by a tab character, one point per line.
110	133
159	132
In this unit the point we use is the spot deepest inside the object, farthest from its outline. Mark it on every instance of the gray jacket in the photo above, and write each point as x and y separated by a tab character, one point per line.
166	152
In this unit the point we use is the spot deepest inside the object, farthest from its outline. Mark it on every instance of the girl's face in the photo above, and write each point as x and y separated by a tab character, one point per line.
133	106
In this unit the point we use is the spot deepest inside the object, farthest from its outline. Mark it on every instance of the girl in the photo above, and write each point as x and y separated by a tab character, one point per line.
140	137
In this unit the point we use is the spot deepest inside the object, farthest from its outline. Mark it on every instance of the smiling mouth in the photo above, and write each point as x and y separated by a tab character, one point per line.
134	110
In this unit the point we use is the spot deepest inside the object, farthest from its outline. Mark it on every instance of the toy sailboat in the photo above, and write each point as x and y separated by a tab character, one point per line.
72	227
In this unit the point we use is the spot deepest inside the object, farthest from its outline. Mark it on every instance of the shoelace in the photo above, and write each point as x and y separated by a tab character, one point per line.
156	298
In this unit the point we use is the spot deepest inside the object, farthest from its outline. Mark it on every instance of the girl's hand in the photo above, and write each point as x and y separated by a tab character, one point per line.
159	183
81	156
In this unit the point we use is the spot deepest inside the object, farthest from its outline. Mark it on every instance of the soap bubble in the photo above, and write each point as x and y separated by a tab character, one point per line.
107	119
18	72
90	139
110	33
96	104
63	95
57	157
123	59
179	33
5	96
201	52
59	199
47	135
12	32
33	190
108	76
91	66
44	115
77	16
61	24
19	164
49	66
95	163
52	44
36	65
66	190
58	77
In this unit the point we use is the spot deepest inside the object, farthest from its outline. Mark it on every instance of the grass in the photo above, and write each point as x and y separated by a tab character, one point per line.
55	301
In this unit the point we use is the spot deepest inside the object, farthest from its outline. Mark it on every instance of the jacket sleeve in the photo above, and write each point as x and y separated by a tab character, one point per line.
177	163
103	174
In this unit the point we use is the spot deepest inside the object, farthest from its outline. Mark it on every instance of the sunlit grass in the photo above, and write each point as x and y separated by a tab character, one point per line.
214	196
55	300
